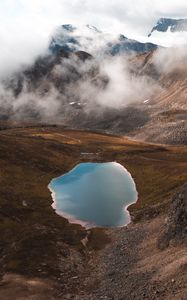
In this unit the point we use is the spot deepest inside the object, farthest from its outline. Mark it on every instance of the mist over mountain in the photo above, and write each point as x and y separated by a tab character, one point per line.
90	39
89	79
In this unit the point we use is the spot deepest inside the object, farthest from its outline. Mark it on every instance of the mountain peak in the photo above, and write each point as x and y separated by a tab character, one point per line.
169	24
68	27
91	27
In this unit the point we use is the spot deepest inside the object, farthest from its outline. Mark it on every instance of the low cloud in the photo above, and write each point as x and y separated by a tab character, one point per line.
123	87
170	59
72	86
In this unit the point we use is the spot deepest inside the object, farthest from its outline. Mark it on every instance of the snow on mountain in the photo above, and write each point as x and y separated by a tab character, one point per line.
172	25
88	38
168	32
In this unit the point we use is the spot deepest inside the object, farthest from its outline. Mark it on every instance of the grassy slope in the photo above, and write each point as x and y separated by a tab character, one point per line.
30	158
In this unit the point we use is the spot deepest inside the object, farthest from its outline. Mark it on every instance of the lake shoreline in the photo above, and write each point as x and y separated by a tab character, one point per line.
129	191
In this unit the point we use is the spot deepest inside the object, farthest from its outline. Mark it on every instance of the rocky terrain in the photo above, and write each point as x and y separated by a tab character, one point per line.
132	267
175	228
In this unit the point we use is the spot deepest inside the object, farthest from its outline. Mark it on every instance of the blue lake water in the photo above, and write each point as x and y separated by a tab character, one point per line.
94	194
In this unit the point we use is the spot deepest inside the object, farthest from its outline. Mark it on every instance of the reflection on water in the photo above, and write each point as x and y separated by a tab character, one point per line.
94	194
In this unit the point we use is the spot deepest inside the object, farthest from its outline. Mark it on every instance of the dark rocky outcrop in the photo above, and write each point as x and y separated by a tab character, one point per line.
175	229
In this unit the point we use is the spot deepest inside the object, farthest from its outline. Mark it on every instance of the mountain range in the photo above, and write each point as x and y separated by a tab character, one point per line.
81	89
90	39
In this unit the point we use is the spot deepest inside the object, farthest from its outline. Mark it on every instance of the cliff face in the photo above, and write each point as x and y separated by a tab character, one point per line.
175	229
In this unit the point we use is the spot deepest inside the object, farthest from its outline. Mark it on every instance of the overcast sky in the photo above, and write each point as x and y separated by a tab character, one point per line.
25	25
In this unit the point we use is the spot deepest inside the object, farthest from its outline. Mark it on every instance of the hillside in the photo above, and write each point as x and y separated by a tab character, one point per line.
167	108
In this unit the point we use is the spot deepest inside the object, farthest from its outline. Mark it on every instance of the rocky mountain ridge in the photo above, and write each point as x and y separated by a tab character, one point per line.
168	24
